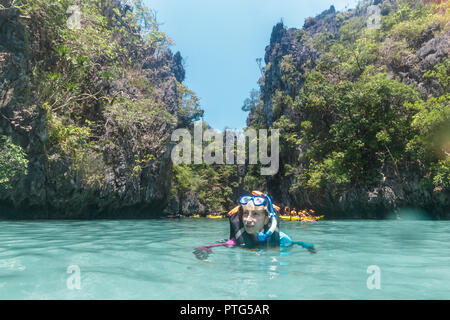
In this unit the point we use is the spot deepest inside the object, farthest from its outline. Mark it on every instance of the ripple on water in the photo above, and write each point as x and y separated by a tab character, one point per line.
152	259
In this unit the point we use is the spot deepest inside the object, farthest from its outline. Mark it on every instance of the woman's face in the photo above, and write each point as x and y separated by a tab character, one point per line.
254	218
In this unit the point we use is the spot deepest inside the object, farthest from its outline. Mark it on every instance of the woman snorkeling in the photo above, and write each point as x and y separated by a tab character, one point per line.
254	224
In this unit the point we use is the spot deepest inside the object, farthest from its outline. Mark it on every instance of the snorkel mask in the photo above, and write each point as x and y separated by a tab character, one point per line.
260	199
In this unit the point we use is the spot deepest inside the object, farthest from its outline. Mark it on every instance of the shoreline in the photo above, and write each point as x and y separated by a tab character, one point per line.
408	215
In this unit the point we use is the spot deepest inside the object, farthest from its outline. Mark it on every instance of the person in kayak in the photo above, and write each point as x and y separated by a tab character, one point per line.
293	212
254	224
302	214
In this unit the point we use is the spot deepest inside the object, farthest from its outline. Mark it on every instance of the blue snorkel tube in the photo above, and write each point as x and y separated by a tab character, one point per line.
263	236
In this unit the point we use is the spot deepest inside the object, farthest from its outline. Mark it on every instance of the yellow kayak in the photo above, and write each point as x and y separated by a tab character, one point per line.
315	217
196	216
210	216
296	218
289	218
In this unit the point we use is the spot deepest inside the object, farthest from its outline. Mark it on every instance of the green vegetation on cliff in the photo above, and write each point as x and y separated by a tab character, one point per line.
366	110
13	160
93	93
104	93
359	110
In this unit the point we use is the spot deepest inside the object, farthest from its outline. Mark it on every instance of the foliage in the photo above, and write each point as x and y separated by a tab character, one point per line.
188	106
353	128
251	103
103	87
348	123
13	162
214	185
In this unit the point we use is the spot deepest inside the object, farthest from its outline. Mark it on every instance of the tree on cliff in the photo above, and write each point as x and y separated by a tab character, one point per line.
13	162
99	98
361	109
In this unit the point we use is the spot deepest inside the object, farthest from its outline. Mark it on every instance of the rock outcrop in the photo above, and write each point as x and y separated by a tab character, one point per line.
123	167
391	193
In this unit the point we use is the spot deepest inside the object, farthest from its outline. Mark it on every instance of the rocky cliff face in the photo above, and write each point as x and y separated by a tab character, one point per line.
106	156
391	193
20	117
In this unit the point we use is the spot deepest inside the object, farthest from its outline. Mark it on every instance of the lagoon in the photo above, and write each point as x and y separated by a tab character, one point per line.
152	259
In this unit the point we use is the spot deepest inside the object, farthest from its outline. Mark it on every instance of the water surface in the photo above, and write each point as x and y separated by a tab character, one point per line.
152	259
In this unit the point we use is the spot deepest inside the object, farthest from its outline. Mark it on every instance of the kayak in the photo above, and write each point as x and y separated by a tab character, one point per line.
305	219
210	216
315	217
289	218
196	216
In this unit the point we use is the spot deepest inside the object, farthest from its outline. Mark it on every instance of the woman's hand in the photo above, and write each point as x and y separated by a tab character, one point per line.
202	252
312	250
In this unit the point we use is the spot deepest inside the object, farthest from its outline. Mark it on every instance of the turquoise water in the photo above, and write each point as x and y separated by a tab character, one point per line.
152	259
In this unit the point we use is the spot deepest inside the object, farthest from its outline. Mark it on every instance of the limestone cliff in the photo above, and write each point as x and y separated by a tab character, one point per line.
403	50
93	108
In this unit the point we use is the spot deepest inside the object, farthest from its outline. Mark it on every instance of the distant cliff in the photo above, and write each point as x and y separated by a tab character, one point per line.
91	107
363	112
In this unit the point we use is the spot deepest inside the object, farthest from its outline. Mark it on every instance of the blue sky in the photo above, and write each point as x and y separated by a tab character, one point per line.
220	41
